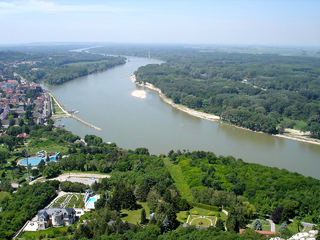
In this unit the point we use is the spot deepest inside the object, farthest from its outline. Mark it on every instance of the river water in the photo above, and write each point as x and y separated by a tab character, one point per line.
104	100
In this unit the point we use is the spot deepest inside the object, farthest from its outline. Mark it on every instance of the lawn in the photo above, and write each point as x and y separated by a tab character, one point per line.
76	202
134	215
49	233
182	216
265	224
177	175
197	220
293	226
204	212
59	201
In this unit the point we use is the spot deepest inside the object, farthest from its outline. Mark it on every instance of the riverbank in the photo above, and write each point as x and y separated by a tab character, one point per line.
65	113
288	135
192	112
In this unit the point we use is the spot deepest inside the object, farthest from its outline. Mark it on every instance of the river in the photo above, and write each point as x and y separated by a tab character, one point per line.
105	100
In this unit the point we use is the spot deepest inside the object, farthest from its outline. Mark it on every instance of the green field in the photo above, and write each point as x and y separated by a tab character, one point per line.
177	175
134	215
206	220
76	202
49	233
204	212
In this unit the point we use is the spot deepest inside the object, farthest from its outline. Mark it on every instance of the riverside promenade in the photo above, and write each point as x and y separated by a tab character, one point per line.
64	114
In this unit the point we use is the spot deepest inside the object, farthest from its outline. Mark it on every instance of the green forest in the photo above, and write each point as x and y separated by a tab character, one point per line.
145	196
261	92
56	69
172	186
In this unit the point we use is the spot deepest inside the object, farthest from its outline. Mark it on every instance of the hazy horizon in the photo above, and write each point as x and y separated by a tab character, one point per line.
229	22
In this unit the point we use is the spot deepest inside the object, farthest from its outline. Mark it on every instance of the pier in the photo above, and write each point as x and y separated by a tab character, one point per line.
65	114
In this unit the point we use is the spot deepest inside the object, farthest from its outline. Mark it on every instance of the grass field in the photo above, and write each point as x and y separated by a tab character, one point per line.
177	175
76	202
206	221
49	233
204	212
134	216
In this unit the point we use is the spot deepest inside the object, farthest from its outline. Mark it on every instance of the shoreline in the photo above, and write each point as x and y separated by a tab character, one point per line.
214	118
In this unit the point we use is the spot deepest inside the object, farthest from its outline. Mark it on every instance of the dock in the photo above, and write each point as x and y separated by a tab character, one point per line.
65	114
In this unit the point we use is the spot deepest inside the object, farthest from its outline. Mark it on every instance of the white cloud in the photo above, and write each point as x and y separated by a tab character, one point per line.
31	6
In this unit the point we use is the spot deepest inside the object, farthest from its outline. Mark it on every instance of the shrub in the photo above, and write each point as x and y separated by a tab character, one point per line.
283	226
205	206
211	214
194	212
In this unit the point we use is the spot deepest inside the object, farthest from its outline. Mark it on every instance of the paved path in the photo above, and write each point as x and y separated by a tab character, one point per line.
272	225
310	225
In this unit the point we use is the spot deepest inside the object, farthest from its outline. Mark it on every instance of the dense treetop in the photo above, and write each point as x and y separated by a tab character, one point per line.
258	92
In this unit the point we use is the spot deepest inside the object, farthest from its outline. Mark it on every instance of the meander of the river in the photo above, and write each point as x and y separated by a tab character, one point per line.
104	100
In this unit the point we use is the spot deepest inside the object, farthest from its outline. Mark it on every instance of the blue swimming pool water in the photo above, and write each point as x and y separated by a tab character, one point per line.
90	202
35	161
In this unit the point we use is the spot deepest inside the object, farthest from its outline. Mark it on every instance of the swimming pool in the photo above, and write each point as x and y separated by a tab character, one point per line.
90	202
35	161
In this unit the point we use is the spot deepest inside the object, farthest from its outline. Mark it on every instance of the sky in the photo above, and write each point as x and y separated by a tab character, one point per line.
231	22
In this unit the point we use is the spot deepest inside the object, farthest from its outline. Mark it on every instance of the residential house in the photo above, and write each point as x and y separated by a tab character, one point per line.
55	217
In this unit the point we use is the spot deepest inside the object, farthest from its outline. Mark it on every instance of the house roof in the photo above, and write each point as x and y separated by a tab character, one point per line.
50	211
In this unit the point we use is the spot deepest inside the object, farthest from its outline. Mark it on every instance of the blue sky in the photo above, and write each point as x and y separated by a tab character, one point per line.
257	22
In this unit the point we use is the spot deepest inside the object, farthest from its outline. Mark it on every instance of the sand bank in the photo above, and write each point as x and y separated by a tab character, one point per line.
291	134
168	101
139	93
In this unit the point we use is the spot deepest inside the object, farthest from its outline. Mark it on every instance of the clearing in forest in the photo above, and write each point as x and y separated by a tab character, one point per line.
177	175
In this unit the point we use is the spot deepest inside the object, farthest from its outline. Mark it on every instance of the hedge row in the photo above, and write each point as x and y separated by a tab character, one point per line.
205	206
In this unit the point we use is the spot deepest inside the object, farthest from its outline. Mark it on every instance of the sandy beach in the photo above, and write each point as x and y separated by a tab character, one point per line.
289	133
184	109
139	94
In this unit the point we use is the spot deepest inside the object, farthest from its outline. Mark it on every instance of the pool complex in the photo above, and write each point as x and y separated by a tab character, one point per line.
35	161
90	202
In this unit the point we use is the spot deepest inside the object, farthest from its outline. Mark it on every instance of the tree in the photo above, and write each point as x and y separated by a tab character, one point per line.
276	214
172	217
236	217
283	226
21	122
143	218
257	225
12	122
142	151
220	225
166	225
41	165
100	203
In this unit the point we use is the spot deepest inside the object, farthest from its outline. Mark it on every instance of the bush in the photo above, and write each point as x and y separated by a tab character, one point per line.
211	214
194	212
205	206
283	226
